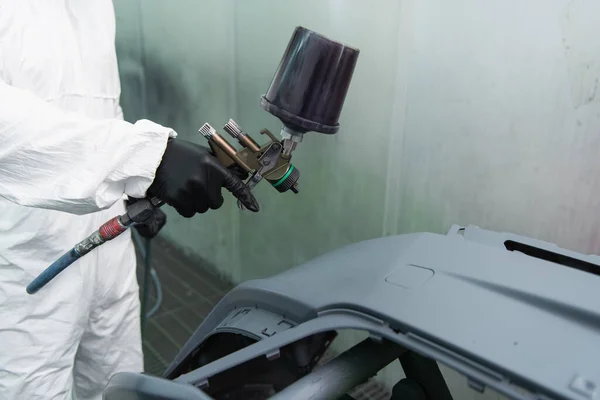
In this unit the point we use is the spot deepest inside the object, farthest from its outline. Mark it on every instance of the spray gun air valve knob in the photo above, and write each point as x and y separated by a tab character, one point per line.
237	133
233	129
207	131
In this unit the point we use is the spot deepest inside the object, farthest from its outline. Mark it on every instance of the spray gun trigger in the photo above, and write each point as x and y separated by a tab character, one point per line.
267	162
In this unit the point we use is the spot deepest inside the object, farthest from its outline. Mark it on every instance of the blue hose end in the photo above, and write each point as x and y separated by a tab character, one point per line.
40	281
52	271
32	288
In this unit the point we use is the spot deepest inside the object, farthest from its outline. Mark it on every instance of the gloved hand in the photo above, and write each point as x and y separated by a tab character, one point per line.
238	171
153	225
189	178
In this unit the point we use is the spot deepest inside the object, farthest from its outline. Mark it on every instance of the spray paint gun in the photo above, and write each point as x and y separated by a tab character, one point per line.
307	94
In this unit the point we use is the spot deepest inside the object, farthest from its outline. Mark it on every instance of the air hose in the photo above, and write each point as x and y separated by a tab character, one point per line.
108	231
143	246
150	275
138	212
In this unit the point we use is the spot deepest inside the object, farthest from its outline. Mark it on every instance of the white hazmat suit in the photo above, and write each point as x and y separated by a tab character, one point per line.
64	150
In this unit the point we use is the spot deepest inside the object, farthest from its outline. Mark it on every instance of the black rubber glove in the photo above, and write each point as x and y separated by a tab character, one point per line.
238	171
189	178
153	225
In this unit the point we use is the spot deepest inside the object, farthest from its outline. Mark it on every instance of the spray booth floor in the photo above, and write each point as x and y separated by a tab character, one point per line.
190	291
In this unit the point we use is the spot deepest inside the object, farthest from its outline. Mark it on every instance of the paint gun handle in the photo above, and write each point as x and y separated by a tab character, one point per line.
140	211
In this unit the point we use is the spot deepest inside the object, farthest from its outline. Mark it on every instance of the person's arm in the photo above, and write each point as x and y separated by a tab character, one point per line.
64	161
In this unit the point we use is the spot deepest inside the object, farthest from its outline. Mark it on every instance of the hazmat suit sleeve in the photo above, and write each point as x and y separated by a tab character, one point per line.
64	161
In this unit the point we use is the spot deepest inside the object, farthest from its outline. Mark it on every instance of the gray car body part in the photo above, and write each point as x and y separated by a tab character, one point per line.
474	300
